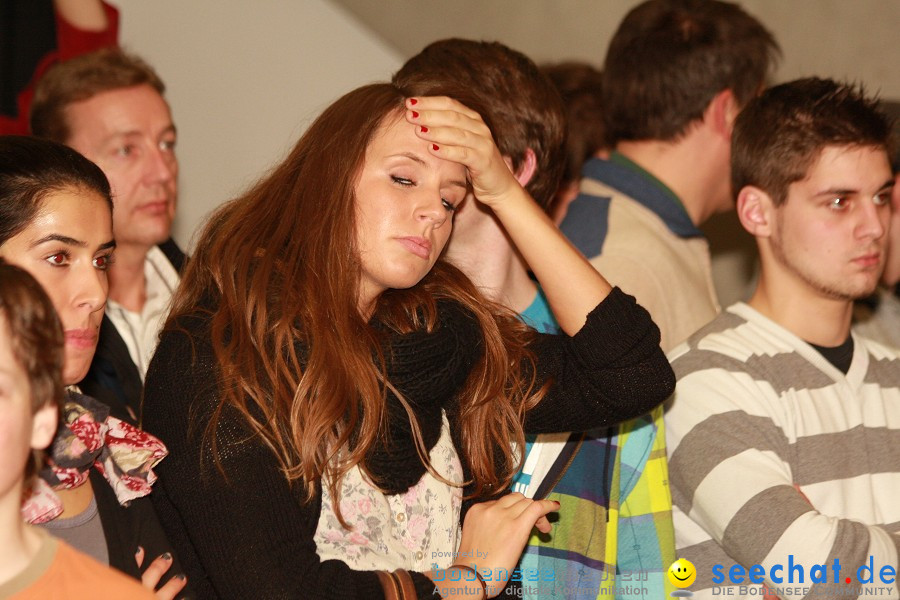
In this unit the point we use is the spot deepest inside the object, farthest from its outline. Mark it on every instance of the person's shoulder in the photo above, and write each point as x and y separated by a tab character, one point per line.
184	363
876	348
724	336
101	580
884	362
76	575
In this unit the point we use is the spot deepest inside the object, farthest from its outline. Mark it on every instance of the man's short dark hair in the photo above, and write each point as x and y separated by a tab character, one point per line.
81	78
779	135
521	105
668	60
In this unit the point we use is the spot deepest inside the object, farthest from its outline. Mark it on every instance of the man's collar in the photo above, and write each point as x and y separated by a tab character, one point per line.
633	180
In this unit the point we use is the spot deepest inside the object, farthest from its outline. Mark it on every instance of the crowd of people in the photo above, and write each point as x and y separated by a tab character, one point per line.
463	340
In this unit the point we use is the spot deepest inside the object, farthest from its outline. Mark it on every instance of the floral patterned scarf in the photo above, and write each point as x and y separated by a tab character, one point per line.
88	437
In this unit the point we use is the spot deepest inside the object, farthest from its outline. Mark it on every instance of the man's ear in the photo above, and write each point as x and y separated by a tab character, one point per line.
43	426
755	210
527	168
721	112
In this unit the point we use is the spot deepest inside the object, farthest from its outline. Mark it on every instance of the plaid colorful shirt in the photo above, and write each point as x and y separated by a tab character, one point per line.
614	537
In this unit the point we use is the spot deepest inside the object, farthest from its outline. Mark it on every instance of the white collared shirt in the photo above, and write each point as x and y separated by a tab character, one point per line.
140	331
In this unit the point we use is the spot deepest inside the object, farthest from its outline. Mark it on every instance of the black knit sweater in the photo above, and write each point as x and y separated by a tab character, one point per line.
250	534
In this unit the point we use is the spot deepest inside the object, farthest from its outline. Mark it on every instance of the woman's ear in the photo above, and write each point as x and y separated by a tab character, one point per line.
755	211
43	426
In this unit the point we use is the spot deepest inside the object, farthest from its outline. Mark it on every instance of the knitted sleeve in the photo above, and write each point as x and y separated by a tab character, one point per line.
247	533
611	370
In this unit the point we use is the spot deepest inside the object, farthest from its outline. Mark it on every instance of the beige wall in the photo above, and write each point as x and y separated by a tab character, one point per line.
244	79
855	39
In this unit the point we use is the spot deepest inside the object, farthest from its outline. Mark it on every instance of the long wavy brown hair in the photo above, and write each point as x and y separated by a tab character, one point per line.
279	266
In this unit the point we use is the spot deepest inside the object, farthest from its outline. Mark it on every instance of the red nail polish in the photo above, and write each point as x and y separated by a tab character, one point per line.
435	147
413	101
415	115
424	129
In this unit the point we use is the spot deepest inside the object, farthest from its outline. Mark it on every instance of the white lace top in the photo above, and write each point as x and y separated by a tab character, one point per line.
417	530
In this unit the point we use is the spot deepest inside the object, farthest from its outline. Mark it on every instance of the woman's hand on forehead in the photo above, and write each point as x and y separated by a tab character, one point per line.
459	134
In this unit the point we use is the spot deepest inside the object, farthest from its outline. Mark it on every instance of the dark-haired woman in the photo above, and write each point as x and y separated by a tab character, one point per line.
56	223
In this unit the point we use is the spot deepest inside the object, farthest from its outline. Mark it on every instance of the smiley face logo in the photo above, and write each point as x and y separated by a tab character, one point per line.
682	573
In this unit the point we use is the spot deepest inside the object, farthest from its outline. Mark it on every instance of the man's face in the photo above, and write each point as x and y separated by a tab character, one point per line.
830	234
129	133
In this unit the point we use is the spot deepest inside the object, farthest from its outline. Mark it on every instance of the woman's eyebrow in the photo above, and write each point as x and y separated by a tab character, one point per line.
417	159
410	155
55	237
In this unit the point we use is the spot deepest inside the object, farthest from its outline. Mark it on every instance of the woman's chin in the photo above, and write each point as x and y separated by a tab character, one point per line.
73	375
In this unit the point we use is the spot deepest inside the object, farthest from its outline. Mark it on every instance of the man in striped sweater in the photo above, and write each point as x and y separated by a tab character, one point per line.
784	430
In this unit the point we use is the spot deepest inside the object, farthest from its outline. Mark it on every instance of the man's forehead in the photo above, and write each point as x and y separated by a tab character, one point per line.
860	160
118	110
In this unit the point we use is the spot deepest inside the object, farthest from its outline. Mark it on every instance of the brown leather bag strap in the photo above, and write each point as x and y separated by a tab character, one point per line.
389	585
407	587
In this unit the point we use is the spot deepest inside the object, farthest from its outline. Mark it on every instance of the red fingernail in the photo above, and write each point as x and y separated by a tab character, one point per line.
413	101
415	115
424	130
435	147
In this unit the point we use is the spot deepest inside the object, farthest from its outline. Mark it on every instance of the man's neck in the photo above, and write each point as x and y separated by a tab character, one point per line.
127	283
810	316
692	167
496	268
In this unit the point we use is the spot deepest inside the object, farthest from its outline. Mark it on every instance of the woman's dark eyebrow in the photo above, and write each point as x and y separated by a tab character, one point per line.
55	237
69	241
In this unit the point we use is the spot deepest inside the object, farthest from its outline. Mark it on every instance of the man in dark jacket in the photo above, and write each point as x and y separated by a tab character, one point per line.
109	106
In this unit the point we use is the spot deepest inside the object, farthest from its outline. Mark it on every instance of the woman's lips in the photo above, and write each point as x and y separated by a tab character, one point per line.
81	338
419	246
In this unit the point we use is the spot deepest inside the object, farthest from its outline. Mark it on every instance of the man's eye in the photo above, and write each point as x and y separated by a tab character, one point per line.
126	150
839	202
167	145
882	198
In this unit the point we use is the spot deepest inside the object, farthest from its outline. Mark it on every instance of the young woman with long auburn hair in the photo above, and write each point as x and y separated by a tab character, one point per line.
331	390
